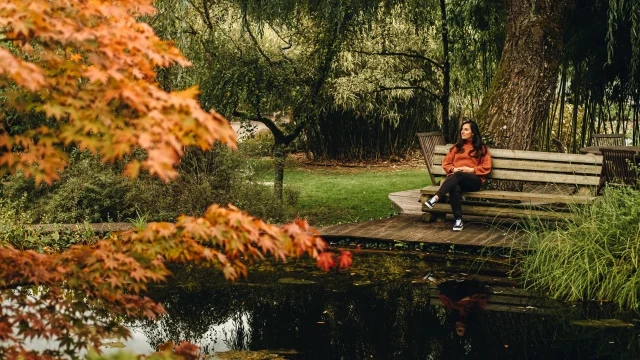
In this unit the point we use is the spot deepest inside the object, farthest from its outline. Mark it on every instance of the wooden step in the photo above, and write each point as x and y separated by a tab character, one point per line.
488	211
532	198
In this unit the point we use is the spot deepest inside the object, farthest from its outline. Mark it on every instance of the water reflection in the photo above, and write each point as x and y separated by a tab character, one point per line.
377	310
464	299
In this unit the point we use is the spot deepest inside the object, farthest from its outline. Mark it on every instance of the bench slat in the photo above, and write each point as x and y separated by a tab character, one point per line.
534	155
499	212
534	165
534	177
515	195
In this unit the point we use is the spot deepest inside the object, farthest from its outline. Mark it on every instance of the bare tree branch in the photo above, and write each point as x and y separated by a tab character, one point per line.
270	124
288	42
255	41
292	136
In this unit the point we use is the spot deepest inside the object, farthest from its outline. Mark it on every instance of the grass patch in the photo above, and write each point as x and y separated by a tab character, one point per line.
344	195
593	256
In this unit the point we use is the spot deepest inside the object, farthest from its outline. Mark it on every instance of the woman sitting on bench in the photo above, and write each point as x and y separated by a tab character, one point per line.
466	165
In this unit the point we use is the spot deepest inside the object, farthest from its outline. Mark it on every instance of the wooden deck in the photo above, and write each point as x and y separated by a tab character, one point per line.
408	227
406	202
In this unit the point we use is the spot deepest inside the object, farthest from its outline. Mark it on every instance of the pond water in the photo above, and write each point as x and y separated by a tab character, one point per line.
388	306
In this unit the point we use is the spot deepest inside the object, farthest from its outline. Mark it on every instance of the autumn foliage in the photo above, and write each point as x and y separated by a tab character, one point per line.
89	66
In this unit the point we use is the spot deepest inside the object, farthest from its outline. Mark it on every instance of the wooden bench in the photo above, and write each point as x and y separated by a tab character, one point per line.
554	181
620	165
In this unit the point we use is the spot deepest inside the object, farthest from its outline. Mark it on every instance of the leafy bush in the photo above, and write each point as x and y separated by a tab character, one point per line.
594	255
14	232
218	176
87	191
91	191
260	144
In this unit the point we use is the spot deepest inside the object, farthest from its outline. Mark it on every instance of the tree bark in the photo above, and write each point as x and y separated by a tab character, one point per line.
281	141
521	91
279	157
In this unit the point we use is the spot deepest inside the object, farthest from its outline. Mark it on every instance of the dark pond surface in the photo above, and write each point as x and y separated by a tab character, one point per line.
386	307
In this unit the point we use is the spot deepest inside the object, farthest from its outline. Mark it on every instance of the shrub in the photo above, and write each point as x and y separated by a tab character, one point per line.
91	191
594	255
87	191
260	144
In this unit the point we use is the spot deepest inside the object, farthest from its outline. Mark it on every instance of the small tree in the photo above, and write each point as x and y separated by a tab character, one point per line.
273	61
89	67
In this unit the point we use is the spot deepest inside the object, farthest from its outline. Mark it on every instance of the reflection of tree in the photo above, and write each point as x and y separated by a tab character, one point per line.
352	323
392	319
285	316
240	336
195	300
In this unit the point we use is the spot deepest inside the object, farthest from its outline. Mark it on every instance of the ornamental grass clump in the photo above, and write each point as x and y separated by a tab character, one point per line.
592	256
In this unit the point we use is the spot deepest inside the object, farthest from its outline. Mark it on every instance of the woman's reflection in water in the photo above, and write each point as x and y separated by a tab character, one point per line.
463	298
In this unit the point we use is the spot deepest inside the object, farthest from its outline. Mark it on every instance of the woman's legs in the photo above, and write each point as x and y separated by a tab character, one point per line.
454	185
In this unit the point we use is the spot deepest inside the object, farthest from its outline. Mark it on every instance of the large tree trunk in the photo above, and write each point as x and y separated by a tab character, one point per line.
521	91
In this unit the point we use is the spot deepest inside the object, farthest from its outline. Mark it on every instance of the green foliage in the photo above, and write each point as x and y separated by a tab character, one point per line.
91	191
303	59
125	355
385	87
593	256
477	31
391	63
15	232
60	239
261	144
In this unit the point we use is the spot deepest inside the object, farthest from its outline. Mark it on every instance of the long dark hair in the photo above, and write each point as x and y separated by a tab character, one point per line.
479	148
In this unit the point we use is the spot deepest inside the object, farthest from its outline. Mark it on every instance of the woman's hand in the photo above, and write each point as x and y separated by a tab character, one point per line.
463	169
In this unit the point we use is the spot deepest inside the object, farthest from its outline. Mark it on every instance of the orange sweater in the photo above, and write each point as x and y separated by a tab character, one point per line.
453	159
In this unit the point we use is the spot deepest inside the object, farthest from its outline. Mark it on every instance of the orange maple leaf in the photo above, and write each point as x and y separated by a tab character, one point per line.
325	261
345	260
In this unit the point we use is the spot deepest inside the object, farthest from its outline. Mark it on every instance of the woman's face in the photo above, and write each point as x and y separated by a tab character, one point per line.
466	132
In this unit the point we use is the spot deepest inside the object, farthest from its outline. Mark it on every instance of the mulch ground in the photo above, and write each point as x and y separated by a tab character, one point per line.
413	160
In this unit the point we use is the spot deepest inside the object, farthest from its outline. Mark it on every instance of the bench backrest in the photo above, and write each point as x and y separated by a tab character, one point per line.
535	166
428	142
620	165
608	139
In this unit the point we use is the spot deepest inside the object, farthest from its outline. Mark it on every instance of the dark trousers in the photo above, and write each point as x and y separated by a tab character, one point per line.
454	185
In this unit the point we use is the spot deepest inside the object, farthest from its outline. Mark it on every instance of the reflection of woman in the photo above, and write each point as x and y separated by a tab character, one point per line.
462	299
466	164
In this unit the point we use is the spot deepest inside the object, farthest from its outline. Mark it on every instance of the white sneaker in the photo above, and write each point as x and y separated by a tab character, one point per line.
458	225
431	202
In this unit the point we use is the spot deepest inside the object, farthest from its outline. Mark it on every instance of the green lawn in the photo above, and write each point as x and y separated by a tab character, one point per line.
338	195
